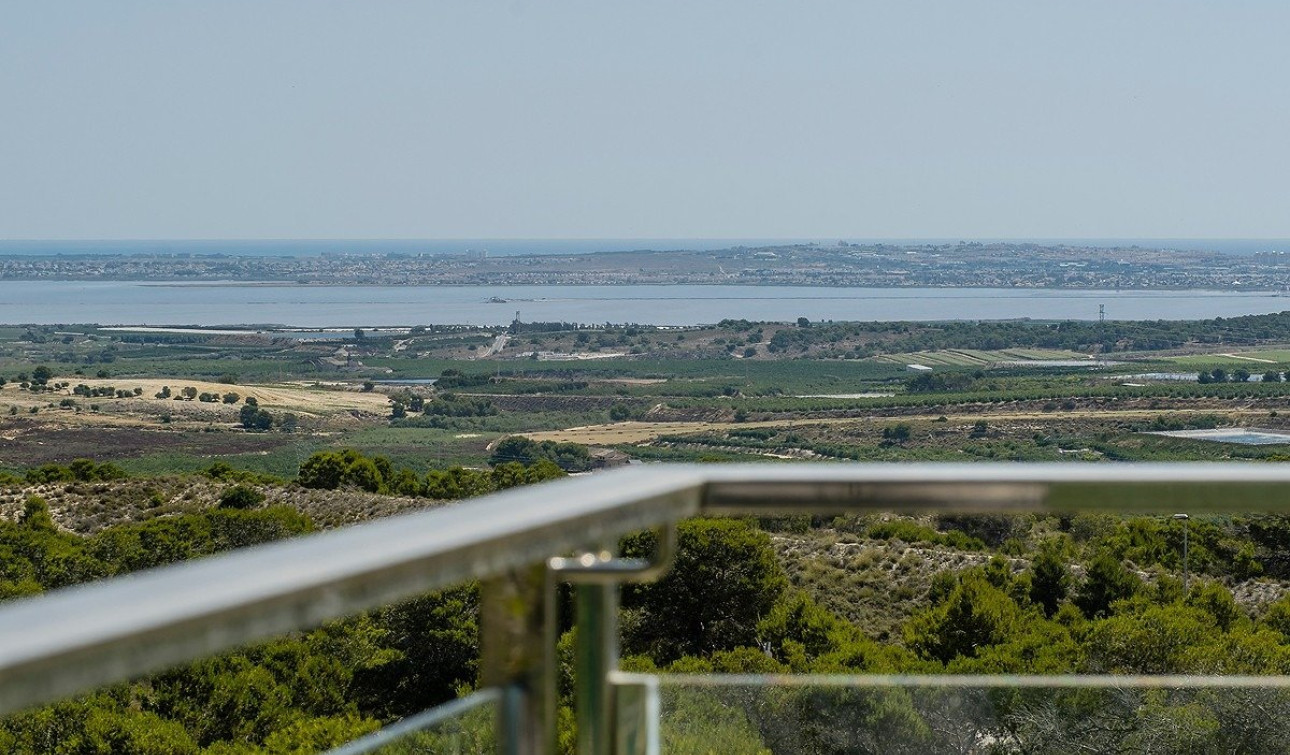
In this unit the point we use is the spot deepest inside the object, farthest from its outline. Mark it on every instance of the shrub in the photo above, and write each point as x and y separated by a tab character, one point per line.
240	497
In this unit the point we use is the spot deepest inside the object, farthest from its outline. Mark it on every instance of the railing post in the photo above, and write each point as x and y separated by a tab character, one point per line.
595	656
517	655
596	577
638	715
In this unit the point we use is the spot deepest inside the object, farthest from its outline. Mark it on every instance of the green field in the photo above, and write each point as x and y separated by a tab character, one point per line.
1252	361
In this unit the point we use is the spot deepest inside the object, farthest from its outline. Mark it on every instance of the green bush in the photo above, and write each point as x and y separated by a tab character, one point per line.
241	497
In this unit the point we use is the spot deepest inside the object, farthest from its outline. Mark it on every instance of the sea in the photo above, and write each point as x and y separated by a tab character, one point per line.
161	304
514	247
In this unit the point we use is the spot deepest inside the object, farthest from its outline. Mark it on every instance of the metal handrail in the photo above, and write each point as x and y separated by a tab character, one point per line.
81	637
75	639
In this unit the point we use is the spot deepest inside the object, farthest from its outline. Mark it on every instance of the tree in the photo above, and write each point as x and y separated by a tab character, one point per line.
1272	376
1049	580
329	470
433	642
724	580
323	471
976	614
41	375
35	515
1107	581
231	398
938	382
253	418
896	433
86	470
1156	640
797	625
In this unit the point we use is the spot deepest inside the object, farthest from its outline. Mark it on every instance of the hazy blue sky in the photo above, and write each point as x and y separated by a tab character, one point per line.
730	118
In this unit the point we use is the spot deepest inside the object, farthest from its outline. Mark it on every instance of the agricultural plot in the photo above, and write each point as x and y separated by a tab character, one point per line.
1262	359
1268	356
979	357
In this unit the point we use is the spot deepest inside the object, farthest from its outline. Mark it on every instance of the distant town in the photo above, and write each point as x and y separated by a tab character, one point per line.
843	264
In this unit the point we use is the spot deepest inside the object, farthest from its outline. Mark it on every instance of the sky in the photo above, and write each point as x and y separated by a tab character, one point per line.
180	119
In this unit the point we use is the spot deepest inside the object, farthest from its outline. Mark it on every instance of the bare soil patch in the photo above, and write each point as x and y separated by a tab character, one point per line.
26	442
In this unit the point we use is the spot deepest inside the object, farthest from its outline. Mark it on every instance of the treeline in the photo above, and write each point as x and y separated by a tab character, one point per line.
79	470
330	470
542	327
571	457
1110	336
1219	375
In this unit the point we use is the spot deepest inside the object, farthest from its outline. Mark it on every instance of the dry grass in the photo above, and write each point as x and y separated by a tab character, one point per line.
324	408
301	399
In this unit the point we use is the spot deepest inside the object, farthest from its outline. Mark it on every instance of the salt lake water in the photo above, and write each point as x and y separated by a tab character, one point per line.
158	304
1243	436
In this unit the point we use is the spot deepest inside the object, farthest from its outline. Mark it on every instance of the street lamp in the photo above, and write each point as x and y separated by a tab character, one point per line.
1186	577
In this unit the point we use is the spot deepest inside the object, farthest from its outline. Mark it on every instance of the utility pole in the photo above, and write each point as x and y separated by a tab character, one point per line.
1186	575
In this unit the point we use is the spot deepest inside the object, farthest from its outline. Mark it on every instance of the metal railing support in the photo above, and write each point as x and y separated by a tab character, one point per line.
639	712
595	656
596	578
517	655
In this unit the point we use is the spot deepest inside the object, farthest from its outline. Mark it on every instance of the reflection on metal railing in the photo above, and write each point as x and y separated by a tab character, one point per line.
822	715
466	726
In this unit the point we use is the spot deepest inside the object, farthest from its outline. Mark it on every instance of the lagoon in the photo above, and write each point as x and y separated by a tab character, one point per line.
1242	436
212	305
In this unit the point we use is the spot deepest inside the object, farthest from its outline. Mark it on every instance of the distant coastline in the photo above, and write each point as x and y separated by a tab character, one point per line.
842	264
520	247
